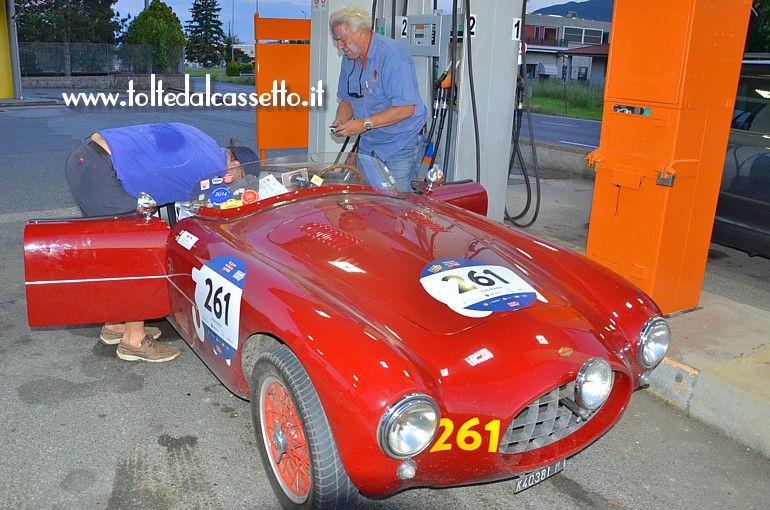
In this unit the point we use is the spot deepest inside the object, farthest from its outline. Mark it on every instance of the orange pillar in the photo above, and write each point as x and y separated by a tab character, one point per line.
282	54
671	83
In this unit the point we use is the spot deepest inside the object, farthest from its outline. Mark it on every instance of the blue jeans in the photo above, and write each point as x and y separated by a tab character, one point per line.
404	165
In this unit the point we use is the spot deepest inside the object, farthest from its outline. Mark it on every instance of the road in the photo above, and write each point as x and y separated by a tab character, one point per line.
83	429
563	131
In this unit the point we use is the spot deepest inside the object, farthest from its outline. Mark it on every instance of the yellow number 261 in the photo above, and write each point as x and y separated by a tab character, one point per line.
467	438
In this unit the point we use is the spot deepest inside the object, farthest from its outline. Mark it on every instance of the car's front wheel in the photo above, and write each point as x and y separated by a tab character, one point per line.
293	435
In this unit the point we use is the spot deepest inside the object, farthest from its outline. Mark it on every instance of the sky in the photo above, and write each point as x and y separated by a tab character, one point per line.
241	12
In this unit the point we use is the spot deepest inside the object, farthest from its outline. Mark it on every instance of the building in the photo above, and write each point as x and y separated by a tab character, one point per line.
248	49
566	47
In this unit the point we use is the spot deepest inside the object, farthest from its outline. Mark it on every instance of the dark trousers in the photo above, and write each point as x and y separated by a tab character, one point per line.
94	182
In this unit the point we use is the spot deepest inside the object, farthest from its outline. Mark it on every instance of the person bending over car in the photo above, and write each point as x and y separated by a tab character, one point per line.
241	180
108	170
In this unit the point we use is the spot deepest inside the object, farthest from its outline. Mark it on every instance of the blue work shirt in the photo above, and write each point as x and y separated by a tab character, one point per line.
163	160
387	79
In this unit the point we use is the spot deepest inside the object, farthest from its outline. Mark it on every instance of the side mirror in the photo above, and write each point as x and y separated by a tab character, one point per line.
146	206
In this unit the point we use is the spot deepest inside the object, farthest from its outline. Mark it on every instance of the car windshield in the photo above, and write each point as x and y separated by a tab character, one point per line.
255	182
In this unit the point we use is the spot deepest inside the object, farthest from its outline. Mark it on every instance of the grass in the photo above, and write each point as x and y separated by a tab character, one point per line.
218	74
583	101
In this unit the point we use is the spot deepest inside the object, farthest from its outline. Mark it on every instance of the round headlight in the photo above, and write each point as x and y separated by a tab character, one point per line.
653	342
409	426
593	384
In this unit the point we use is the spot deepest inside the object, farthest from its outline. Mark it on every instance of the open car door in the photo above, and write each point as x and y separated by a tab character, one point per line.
83	271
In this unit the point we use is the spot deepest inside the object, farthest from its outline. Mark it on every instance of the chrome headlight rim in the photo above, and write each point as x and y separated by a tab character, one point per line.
588	369
394	412
644	342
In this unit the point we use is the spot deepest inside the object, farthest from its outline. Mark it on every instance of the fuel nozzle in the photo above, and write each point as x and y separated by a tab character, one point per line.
438	84
446	82
519	93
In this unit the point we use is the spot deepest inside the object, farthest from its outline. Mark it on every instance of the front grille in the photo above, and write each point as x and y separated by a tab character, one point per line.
544	421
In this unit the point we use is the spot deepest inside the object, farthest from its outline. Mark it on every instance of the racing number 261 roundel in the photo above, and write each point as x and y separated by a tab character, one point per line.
475	289
218	289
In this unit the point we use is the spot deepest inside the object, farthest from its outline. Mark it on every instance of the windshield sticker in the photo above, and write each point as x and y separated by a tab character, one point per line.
186	240
220	195
218	290
250	196
475	289
231	203
270	187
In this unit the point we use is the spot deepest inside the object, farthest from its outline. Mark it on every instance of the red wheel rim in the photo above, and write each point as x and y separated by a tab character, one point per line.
280	416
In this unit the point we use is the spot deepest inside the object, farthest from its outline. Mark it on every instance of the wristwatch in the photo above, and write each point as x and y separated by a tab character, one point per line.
367	124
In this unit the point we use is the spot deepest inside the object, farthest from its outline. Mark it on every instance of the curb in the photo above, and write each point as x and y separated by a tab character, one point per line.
13	103
712	401
674	381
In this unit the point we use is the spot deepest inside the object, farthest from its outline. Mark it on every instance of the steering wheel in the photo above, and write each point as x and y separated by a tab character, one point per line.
350	168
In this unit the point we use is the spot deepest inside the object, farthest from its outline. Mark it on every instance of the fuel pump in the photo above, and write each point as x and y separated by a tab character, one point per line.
665	128
475	98
522	108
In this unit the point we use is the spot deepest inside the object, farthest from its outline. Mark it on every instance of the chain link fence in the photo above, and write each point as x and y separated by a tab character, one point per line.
92	59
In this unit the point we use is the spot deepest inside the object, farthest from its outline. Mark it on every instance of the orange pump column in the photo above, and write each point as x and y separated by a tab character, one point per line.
671	83
282	55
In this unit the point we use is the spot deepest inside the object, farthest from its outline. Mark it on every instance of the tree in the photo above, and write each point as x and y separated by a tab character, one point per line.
67	21
158	27
759	29
122	27
227	51
205	37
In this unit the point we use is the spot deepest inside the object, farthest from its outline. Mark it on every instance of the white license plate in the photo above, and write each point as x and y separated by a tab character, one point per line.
535	477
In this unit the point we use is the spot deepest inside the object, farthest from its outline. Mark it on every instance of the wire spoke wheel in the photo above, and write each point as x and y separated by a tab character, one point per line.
285	439
295	441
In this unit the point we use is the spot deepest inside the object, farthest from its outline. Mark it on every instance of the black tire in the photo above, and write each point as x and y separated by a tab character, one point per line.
304	436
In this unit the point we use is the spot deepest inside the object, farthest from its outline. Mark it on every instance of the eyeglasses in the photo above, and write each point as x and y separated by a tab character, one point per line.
360	88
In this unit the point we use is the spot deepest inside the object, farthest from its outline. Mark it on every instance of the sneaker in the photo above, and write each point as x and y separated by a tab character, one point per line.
150	350
109	337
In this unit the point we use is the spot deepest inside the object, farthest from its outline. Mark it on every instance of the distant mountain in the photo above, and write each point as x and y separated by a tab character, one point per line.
598	10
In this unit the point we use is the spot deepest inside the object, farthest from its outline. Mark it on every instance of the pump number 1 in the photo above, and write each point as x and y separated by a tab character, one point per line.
516	34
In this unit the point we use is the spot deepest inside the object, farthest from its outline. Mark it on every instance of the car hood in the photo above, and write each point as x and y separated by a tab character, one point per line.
419	260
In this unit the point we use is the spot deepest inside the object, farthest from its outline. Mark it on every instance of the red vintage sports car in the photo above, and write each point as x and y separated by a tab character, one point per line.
386	340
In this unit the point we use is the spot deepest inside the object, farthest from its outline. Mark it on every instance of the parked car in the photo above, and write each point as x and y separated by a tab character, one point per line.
386	340
743	210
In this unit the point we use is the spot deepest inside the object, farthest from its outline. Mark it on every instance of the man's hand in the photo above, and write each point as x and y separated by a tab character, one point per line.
352	127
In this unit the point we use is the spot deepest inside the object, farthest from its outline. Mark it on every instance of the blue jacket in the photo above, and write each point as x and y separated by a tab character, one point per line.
163	160
387	79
